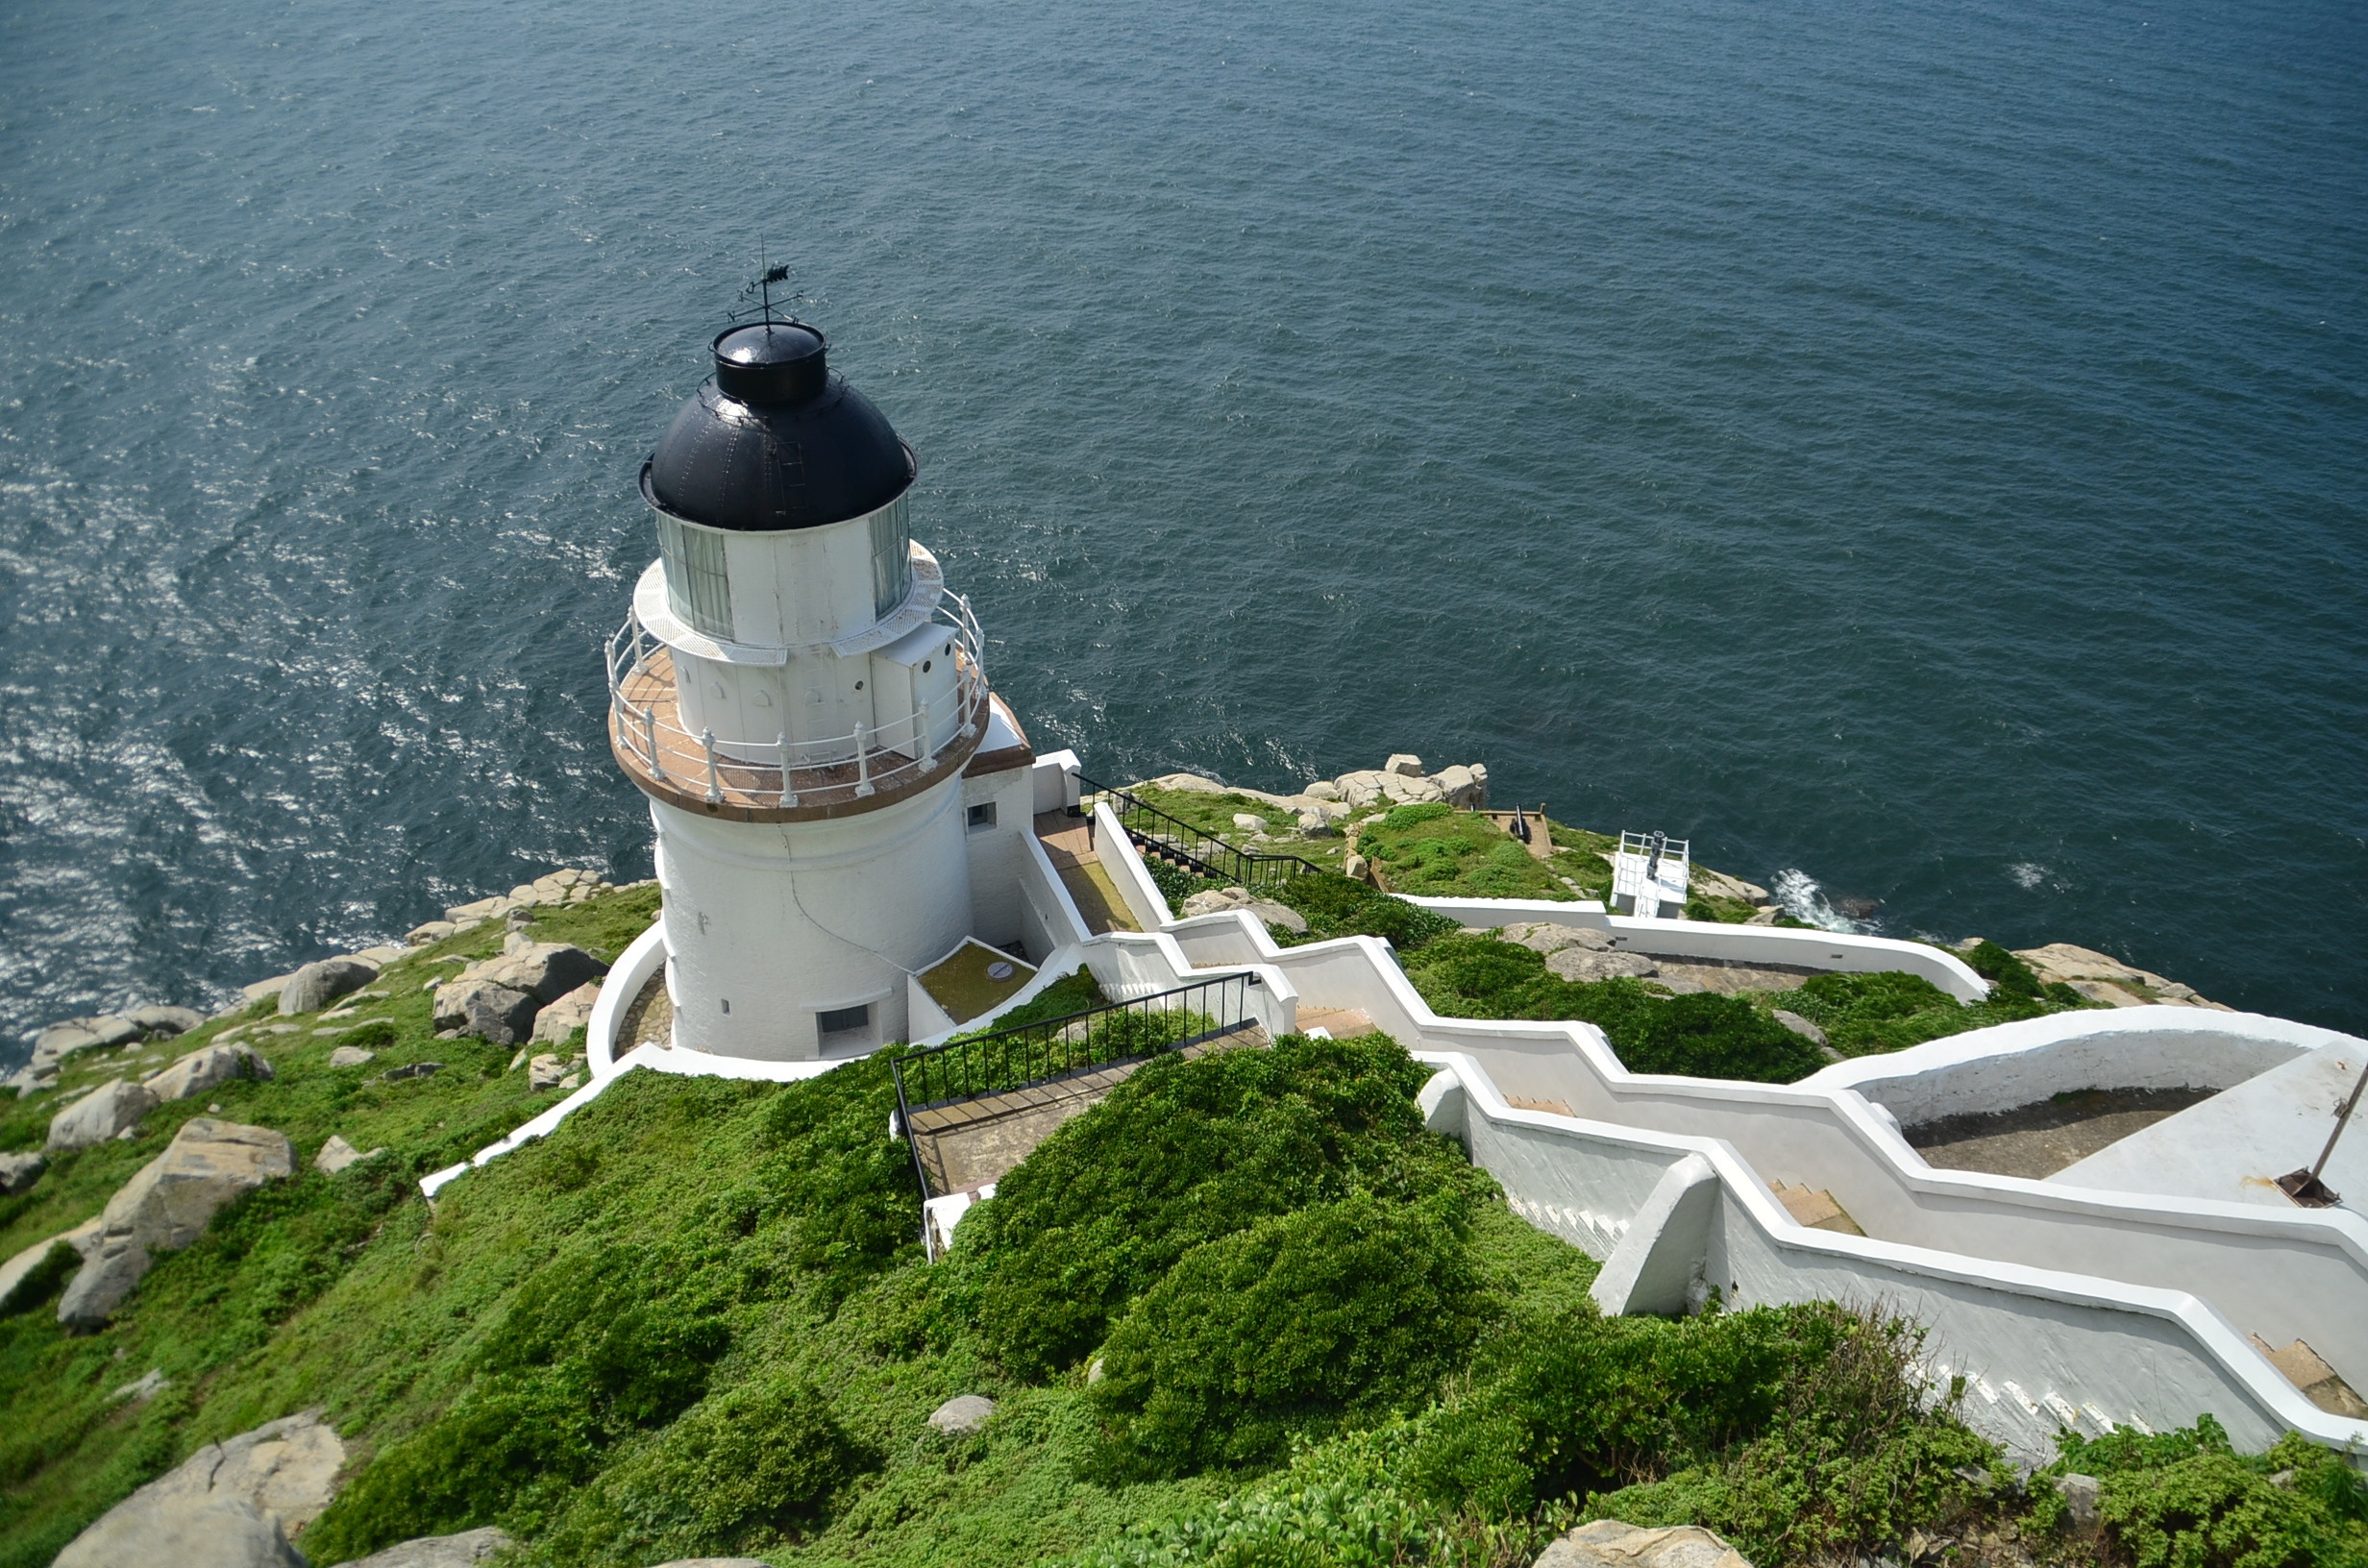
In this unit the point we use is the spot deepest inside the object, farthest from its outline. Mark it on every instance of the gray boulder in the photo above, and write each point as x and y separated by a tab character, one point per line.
470	1546
185	1531
233	1503
1464	788
1404	764
336	1154
1216	901
545	971
1586	963
1800	1026
167	1206
1274	913
545	1073
166	1020
208	1067
568	1014
962	1415
351	1056
63	1039
1606	1543
2080	1494
481	1007
110	1029
266	990
114	1107
317	985
19	1171
431	931
1545	937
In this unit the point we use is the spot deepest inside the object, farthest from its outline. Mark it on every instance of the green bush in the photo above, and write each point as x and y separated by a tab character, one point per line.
1340	906
508	1451
740	1472
1431	849
1704	1035
1336	1312
2010	975
2187	1499
1183	1153
1865	1014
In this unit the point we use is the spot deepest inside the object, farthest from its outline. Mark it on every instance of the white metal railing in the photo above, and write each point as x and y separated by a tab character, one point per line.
1649	870
884	756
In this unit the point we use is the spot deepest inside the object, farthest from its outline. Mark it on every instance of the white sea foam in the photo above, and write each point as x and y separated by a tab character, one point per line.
1804	899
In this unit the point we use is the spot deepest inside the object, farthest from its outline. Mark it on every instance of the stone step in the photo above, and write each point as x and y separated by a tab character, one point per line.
1815	1210
2307	1370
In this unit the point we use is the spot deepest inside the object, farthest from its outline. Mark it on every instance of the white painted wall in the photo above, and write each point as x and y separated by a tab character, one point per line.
1831	950
2045	1348
783	920
2020	1063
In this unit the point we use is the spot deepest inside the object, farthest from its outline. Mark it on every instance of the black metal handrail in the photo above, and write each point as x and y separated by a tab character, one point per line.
1005	1060
1181	844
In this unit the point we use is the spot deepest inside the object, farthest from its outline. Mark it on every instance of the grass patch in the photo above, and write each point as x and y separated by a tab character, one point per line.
1705	1034
1864	1014
1434	851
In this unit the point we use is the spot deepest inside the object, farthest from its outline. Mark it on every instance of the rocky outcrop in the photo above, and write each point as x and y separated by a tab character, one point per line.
1606	1543
545	971
2104	979
19	1171
109	1111
492	1012
566	886
351	1055
166	1020
1223	900
1586	964
318	984
208	1067
462	1550
962	1415
336	1154
230	1505
554	1024
15	1273
167	1206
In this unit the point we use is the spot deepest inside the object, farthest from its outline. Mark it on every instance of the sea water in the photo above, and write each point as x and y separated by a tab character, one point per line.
1915	451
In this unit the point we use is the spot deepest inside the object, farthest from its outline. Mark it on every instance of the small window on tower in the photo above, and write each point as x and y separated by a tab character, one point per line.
892	565
697	588
843	1020
982	817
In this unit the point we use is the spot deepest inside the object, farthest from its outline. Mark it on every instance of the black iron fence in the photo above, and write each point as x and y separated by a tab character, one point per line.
1053	1048
1181	844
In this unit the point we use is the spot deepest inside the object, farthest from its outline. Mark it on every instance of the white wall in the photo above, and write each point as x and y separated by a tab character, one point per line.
2021	1063
1831	950
2044	1347
783	920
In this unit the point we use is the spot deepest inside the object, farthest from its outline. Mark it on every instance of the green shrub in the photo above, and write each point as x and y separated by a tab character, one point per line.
508	1451
2187	1499
743	1470
1340	906
1182	1153
2008	974
376	1035
1433	850
1864	1013
640	1348
1330	1312
1704	1035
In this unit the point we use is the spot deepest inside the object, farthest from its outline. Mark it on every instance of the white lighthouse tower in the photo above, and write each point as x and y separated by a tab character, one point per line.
837	795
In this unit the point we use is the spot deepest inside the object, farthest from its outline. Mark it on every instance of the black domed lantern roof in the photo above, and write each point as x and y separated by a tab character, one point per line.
775	441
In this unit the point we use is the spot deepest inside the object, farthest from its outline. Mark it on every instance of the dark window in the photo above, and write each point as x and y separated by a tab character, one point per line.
982	817
842	1021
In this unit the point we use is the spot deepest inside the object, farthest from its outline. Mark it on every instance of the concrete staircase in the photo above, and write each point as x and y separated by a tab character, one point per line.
1815	1210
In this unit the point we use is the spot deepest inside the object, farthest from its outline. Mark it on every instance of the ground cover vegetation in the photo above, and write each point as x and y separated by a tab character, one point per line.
1247	1311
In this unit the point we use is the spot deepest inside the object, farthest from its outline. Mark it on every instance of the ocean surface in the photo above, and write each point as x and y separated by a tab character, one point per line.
1914	449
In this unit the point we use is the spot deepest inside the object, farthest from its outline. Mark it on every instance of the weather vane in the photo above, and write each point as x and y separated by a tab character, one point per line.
756	298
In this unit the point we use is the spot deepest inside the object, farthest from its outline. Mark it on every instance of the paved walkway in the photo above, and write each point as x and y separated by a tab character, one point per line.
1068	843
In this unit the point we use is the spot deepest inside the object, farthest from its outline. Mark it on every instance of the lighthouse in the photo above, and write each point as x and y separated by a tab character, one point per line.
837	795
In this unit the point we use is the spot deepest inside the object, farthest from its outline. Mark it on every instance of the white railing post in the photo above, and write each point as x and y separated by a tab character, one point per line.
927	749
863	763
649	730
706	741
789	787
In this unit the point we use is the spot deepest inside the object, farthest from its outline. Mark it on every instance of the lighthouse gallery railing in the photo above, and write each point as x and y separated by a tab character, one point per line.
647	725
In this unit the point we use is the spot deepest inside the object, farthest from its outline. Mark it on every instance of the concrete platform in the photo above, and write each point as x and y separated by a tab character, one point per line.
2235	1146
